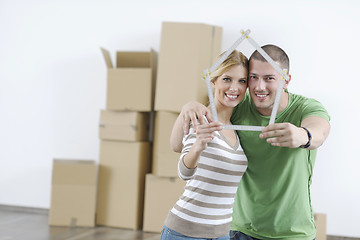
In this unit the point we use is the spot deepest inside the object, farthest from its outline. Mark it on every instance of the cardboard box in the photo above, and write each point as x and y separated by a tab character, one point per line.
122	170
73	194
131	84
320	223
186	50
157	208
124	126
164	159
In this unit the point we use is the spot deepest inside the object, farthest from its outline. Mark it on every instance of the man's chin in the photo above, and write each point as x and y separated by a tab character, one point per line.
264	109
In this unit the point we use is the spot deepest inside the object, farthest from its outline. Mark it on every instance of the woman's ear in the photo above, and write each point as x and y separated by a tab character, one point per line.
213	84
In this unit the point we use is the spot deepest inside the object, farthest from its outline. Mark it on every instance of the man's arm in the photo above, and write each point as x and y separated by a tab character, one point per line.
288	135
319	129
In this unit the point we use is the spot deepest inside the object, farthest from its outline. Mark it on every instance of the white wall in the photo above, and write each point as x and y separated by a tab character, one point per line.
53	81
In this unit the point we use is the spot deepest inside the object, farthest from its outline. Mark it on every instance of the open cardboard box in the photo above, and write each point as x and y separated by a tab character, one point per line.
131	83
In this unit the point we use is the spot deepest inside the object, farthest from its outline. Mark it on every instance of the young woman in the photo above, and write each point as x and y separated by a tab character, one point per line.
212	163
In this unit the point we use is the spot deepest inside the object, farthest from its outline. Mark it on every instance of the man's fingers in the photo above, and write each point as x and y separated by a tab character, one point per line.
202	120
186	126
209	116
273	133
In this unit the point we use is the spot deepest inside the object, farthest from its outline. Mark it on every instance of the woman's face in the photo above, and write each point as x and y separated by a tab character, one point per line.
230	87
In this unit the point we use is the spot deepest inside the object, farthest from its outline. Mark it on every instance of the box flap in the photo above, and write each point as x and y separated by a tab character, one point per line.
108	117
73	161
107	58
133	60
74	172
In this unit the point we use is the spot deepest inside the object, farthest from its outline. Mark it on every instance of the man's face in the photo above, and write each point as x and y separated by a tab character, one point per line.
264	81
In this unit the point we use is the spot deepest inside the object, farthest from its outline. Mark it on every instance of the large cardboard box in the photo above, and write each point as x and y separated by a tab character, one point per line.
164	159
320	223
122	170
160	196
131	84
124	126
73	193
186	49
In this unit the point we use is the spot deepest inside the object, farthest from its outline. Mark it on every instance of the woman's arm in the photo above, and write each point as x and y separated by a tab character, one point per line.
191	112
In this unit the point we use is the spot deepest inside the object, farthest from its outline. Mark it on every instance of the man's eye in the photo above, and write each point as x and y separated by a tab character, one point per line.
252	77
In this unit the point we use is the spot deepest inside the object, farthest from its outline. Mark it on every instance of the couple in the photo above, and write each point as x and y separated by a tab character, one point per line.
272	200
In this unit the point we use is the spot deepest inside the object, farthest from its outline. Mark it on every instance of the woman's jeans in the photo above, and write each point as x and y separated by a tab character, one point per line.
168	234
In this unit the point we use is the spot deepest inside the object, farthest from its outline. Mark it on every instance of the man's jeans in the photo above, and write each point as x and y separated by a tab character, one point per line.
236	235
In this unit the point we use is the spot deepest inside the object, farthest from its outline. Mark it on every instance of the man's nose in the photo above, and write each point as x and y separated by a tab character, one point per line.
260	84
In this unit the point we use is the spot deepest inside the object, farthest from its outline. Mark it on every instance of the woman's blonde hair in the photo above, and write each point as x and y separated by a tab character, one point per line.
235	58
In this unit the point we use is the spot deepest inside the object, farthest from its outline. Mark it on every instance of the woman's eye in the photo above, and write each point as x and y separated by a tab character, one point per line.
226	79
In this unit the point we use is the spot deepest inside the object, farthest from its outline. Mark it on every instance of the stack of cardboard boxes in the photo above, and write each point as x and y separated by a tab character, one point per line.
125	133
186	49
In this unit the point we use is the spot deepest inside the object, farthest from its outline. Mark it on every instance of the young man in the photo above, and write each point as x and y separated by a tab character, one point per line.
273	199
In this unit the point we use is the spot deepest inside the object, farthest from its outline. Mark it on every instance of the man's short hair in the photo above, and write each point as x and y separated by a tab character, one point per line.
276	53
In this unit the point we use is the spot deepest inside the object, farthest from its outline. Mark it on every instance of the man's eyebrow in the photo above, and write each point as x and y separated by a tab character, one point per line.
267	75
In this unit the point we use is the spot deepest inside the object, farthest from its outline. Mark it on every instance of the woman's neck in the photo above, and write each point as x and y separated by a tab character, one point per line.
223	114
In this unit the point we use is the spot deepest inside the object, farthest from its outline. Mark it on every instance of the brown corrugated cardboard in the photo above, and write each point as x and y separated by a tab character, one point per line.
164	159
320	223
131	84
186	49
122	170
156	208
73	194
124	126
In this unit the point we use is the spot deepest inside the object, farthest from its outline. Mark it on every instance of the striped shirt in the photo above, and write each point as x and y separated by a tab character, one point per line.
205	208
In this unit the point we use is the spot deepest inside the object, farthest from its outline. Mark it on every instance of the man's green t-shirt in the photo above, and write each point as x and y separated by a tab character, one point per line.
273	199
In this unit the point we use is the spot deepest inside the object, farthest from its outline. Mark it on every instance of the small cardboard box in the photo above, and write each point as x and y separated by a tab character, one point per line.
164	159
320	223
73	194
161	194
186	50
124	126
131	84
121	185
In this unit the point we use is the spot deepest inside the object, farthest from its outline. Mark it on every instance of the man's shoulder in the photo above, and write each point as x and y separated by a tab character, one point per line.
300	99
307	106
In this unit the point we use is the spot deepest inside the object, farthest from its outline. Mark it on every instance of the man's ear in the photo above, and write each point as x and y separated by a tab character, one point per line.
287	82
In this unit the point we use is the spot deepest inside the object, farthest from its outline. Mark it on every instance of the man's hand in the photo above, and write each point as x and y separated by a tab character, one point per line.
194	111
190	112
288	135
285	135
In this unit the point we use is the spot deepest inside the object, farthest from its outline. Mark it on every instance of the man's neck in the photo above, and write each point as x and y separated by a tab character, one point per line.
282	105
